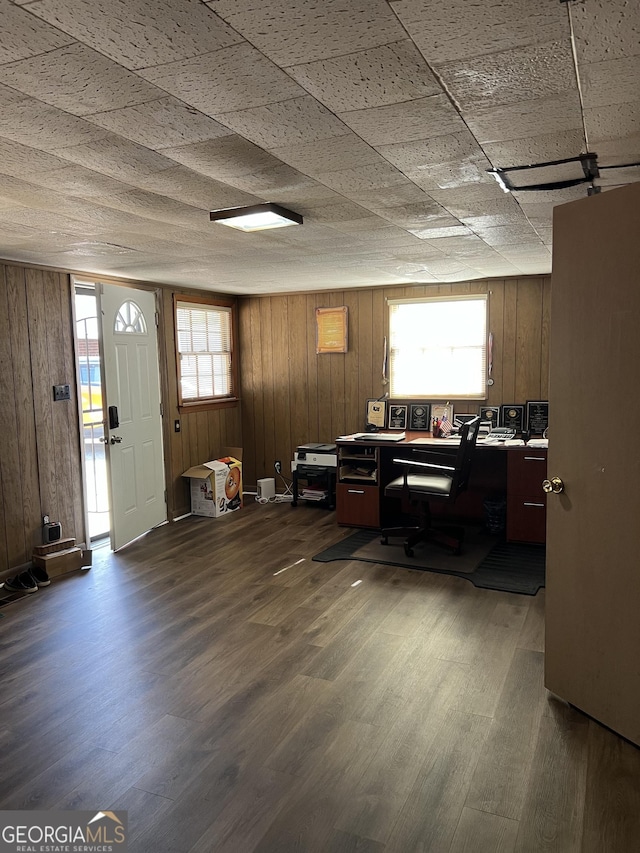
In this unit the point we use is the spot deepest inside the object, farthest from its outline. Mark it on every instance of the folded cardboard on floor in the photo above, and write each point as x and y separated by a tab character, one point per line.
216	486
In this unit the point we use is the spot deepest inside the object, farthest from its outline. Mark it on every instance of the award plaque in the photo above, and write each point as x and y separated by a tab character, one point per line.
537	416
512	416
490	414
420	416
397	416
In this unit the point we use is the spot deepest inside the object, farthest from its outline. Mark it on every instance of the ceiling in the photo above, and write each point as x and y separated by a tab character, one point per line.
124	122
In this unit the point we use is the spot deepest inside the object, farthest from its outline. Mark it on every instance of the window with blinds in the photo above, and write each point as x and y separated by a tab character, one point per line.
204	342
438	348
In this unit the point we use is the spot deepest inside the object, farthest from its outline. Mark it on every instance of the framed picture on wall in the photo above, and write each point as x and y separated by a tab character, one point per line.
419	416
397	416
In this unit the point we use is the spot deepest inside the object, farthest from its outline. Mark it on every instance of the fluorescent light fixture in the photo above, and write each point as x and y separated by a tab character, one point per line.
256	217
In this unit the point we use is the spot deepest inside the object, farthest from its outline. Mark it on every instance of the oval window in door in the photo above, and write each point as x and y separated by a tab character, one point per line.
130	319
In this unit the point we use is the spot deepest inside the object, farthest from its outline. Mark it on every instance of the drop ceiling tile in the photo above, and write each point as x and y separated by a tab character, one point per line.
617	151
340	211
116	157
504	207
406	195
160	123
535	149
293	120
139	33
543	116
613	82
420	217
222	158
78	181
153	206
282	183
23	35
617	120
235	78
10	96
185	185
471	170
466	193
40	126
339	152
302	31
20	160
406	122
606	29
436	231
78	80
617	177
504	235
458	29
352	182
425	152
510	77
368	78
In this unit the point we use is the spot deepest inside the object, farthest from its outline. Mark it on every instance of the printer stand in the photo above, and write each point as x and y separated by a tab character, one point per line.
315	484
314	470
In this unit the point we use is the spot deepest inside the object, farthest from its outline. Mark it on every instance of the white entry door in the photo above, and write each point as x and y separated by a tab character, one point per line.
133	432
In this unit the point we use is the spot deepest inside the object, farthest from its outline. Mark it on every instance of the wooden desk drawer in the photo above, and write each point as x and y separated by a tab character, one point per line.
526	469
526	519
358	506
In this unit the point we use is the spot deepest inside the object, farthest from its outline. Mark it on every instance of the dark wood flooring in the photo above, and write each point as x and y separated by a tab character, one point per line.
233	695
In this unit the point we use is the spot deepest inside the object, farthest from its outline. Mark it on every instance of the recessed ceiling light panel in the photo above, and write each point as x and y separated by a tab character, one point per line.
256	217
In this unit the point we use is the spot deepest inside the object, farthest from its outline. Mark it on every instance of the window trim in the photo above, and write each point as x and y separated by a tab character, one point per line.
466	297
208	403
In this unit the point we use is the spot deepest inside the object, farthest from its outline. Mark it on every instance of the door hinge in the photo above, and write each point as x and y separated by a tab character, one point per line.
161	410
157	316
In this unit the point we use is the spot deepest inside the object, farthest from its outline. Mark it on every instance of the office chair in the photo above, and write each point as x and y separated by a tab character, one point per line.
422	482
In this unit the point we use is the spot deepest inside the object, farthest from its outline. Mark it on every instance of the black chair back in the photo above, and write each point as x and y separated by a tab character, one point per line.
464	457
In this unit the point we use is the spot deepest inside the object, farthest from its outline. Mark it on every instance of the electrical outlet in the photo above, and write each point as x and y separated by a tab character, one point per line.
277	466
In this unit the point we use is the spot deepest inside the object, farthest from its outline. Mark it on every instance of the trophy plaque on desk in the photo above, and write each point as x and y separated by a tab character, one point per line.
376	414
512	416
397	416
491	414
537	416
419	416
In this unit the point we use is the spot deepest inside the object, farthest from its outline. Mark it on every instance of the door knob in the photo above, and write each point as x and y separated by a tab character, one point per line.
554	485
116	439
103	440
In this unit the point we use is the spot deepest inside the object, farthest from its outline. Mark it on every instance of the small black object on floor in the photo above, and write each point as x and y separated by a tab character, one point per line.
486	561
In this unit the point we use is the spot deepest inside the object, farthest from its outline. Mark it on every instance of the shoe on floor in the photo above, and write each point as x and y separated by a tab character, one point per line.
39	575
21	583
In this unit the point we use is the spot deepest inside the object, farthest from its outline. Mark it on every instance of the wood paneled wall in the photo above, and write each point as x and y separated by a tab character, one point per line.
291	395
202	434
40	469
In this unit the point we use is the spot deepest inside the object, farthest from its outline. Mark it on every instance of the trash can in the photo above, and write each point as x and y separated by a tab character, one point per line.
495	513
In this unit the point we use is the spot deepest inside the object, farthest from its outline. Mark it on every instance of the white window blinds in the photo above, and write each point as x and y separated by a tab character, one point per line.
438	347
204	344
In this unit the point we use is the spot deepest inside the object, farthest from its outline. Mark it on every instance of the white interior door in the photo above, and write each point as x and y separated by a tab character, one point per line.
133	433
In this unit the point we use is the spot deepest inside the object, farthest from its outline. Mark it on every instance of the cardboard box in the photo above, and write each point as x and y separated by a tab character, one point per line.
216	486
61	562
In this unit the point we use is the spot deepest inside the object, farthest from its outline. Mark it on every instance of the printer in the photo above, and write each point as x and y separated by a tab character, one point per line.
321	455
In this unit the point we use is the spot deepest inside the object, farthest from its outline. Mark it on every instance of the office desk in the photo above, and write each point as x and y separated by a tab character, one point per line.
365	466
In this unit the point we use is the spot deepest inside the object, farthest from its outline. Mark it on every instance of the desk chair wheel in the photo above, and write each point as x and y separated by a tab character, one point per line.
384	540
408	550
